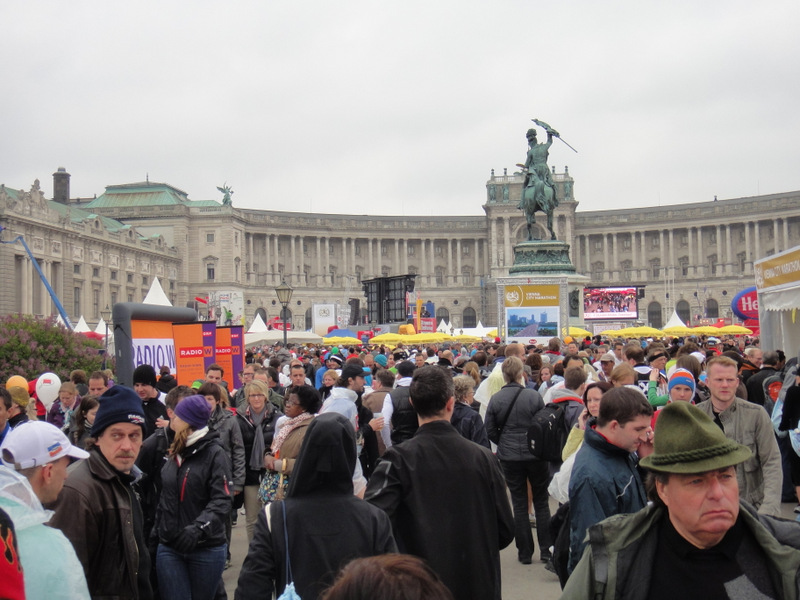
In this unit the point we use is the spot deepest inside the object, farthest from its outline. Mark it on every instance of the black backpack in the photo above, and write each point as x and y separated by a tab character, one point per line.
548	432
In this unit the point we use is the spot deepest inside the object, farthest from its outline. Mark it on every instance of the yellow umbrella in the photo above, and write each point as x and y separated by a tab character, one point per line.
735	330
611	332
576	331
468	339
492	333
335	341
646	332
705	330
387	338
679	330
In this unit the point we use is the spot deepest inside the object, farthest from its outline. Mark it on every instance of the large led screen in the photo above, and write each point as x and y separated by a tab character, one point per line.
609	303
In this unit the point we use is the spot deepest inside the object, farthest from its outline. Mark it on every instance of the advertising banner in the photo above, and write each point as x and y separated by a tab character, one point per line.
225	350
531	313
189	352
323	316
237	353
229	307
152	344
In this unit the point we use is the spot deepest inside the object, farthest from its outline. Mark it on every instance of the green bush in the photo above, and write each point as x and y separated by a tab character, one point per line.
31	346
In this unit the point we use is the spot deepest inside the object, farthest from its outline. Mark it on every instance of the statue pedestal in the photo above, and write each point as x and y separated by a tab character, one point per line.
542	257
543	294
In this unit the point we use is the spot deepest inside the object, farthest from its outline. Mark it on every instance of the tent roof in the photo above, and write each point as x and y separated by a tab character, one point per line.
156	295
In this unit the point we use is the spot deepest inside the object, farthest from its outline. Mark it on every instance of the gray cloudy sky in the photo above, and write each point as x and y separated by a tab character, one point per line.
402	107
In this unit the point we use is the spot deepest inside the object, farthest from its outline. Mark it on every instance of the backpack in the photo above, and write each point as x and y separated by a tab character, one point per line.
548	432
772	388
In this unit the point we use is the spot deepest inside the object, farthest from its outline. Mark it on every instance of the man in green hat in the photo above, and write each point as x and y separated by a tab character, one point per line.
697	539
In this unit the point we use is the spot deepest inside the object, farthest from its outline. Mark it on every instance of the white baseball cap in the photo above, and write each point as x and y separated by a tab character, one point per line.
36	443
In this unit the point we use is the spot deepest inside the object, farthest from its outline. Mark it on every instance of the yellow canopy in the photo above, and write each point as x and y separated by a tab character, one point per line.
705	330
335	341
575	331
735	330
679	330
387	338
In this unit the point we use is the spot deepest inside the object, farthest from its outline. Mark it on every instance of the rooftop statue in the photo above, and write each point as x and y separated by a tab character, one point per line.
226	189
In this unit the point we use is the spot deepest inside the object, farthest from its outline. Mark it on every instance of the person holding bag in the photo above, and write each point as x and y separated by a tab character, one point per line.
508	417
320	526
196	499
300	406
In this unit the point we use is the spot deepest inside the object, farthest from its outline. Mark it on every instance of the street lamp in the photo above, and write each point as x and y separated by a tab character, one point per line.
284	292
105	315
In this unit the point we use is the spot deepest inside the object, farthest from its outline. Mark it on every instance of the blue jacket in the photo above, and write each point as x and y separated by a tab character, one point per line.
604	482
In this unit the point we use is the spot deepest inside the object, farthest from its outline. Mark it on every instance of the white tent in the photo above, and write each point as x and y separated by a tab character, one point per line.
156	295
258	325
82	327
443	327
101	327
674	321
276	335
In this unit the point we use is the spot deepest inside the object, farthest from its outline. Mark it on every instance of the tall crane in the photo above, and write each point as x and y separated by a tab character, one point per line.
46	283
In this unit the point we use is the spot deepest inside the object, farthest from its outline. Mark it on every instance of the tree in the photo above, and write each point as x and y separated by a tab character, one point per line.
30	346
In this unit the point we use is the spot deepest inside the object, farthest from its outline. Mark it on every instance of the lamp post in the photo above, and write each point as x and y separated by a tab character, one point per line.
106	315
284	292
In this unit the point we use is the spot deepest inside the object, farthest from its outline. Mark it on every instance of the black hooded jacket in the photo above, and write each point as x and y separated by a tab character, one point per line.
327	525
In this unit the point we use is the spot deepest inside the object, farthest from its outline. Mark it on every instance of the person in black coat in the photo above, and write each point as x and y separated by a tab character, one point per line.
327	526
466	419
257	423
196	499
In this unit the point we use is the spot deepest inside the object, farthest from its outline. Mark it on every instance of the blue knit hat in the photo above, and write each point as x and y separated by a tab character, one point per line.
118	404
681	377
194	410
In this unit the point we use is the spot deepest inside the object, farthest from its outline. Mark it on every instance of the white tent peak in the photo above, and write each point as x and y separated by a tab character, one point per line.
258	325
82	327
101	327
674	321
156	295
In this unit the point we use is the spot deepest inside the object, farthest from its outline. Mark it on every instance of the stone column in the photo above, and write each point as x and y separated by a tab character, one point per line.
405	257
250	255
27	288
268	260
486	259
719	270
371	259
278	274
343	262
785	233
702	258
776	235
293	270
748	253
398	265
691	269
353	256
450	264
492	249
318	278
459	279
507	253
672	252
757	238
326	262
728	250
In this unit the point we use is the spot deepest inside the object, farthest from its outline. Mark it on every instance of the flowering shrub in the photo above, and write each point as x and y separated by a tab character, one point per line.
31	346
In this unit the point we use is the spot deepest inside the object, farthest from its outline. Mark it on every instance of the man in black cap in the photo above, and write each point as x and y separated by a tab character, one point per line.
98	510
155	411
697	539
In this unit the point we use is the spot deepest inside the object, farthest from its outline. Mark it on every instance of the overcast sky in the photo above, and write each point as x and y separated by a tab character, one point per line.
403	107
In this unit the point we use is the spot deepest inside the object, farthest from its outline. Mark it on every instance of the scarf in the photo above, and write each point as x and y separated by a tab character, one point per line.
286	429
259	448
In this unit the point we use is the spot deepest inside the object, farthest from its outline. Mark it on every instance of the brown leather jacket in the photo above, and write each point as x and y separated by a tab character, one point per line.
96	511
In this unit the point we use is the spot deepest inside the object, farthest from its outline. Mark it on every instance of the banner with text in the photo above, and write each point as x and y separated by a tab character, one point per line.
230	343
532	313
194	350
152	344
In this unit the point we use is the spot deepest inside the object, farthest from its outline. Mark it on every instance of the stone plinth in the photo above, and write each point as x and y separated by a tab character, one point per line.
542	257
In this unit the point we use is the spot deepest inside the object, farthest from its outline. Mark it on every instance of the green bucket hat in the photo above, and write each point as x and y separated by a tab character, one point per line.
688	441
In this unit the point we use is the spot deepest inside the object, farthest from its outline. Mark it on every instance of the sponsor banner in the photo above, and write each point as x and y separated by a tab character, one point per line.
190	352
237	353
531	312
777	270
209	344
323	317
152	344
223	355
229	307
745	304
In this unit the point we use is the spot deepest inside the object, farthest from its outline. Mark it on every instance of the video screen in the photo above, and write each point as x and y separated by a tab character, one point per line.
609	303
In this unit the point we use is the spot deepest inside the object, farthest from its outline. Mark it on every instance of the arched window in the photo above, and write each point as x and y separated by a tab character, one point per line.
683	310
654	316
470	318
262	313
712	309
308	319
442	313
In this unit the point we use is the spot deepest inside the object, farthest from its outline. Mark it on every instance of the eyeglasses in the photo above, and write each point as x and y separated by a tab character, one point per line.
290	403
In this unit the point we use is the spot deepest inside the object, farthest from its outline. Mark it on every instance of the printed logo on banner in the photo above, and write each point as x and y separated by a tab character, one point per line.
154	351
186	352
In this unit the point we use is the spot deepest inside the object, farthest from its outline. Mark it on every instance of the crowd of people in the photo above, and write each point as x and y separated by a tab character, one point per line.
361	471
